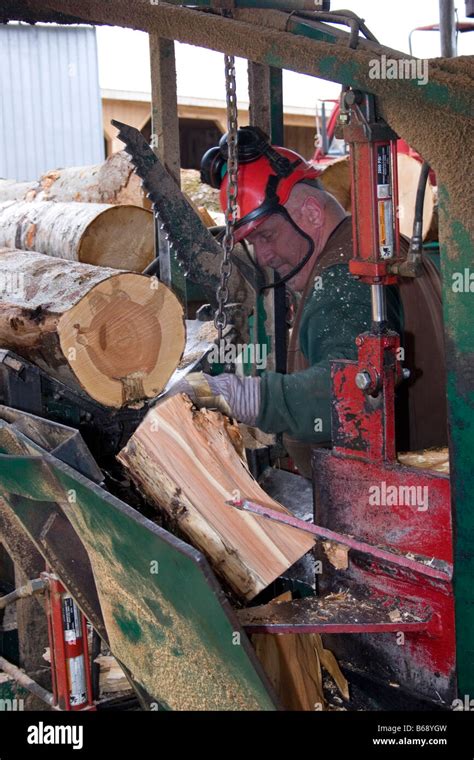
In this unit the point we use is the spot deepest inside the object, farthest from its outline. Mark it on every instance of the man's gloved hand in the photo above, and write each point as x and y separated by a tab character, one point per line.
237	397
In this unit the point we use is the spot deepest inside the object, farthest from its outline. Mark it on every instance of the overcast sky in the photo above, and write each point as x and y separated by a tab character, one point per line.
200	72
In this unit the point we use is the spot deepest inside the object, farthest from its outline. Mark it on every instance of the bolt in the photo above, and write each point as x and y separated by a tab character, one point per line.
363	380
406	373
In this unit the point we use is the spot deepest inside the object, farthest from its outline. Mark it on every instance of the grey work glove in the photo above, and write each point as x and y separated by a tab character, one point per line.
238	397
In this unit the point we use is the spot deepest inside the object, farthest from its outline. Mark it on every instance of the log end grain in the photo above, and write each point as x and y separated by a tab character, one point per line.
121	237
124	339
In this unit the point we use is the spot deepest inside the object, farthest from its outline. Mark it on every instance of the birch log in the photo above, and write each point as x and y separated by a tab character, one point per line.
116	335
188	463
120	237
112	181
10	190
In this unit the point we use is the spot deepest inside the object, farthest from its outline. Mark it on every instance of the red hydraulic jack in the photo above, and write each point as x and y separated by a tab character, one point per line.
393	520
72	684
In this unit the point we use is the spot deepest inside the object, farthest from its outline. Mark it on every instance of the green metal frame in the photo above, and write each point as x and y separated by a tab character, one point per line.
166	617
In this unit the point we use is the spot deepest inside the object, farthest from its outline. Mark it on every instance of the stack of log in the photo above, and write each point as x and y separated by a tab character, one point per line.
113	182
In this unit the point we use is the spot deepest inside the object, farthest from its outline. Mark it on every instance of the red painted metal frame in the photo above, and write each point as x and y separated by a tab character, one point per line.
342	503
363	423
363	459
61	651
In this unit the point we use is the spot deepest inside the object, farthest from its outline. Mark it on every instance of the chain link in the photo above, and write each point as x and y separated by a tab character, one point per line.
220	318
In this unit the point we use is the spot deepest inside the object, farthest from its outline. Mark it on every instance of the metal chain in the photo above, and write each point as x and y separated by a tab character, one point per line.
220	318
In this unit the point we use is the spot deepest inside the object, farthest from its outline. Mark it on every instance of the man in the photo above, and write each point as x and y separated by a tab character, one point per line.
303	233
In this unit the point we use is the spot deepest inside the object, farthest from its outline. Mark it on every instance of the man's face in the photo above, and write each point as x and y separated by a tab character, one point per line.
278	245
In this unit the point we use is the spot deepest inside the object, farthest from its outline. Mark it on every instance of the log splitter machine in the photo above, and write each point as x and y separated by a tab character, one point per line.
396	579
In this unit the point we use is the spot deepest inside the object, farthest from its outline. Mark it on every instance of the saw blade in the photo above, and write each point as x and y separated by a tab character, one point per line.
183	226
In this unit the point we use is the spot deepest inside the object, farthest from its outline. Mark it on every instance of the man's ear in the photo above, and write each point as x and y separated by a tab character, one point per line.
313	212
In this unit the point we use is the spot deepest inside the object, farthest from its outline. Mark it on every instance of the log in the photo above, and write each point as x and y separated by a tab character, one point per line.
336	179
409	170
10	190
113	181
116	335
429	459
112	679
188	462
120	237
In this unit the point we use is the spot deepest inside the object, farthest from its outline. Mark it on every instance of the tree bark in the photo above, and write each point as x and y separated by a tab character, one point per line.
188	463
117	335
112	181
120	237
10	190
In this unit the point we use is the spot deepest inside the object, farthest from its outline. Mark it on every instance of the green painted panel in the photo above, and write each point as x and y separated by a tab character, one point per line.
167	619
457	257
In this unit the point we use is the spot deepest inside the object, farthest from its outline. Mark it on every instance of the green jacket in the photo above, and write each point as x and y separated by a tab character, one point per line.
333	316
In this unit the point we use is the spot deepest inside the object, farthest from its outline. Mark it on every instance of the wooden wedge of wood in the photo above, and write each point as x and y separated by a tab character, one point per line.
188	463
92	233
293	662
117	335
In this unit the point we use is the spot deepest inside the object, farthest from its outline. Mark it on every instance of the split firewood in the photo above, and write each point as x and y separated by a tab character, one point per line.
112	679
429	459
92	233
293	663
188	463
116	335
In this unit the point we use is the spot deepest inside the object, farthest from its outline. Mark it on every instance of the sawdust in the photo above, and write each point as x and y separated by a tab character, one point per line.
182	669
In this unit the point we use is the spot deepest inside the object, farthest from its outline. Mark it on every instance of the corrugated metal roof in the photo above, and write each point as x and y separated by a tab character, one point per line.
50	106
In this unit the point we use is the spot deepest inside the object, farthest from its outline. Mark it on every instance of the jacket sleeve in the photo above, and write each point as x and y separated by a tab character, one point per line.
299	403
